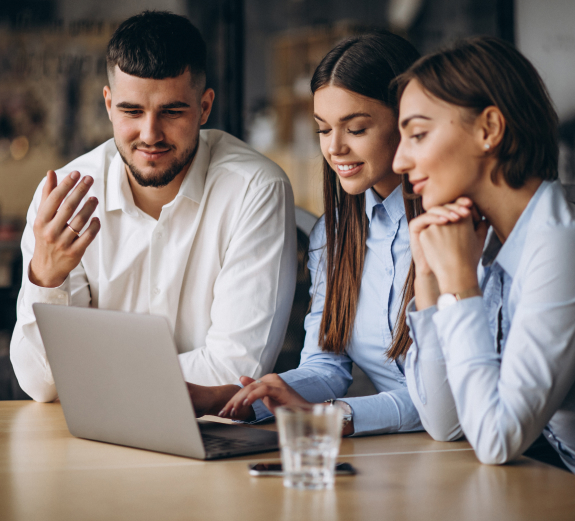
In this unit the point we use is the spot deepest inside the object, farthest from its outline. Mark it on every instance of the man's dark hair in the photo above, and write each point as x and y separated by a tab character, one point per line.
157	45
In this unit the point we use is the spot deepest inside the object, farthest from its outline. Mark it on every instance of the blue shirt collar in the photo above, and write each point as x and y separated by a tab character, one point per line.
393	203
508	255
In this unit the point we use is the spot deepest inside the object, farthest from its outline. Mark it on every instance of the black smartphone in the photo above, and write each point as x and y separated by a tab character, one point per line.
275	469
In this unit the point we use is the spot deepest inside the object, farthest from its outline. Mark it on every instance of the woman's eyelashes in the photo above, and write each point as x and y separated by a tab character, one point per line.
357	132
418	136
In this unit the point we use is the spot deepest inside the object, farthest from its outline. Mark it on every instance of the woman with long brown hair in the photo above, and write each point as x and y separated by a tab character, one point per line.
494	350
359	254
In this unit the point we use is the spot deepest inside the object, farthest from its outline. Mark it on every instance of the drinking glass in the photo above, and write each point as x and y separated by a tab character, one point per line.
309	441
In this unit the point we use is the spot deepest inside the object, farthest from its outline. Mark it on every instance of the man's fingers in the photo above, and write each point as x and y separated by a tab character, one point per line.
49	185
51	205
70	204
81	218
83	241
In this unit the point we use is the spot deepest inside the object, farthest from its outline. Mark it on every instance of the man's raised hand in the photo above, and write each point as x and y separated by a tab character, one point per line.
58	245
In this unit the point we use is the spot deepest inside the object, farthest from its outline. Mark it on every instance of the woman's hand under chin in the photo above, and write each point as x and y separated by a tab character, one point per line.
452	248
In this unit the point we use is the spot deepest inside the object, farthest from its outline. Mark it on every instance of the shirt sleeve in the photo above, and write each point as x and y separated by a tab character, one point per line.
253	293
426	375
322	376
504	402
27	352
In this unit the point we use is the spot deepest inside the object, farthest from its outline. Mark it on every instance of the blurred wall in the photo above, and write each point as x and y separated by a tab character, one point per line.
546	35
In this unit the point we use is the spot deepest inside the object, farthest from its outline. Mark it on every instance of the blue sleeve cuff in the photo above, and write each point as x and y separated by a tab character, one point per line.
386	412
423	332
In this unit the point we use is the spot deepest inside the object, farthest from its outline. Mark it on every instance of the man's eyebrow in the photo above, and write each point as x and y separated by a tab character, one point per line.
172	105
406	121
348	117
175	105
128	105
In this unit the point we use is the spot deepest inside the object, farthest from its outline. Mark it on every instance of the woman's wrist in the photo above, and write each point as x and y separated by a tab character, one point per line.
426	291
458	281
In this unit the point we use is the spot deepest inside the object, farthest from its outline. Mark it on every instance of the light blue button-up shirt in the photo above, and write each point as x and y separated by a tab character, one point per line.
501	368
322	376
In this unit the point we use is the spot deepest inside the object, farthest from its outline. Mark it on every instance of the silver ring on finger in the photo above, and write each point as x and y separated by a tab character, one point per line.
258	381
77	233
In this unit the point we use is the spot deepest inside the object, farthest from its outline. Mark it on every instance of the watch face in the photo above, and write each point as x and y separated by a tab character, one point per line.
446	300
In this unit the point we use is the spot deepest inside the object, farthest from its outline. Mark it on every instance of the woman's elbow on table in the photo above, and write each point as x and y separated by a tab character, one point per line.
443	432
496	450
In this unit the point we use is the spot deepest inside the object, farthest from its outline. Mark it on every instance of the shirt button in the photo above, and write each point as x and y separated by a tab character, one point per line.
156	291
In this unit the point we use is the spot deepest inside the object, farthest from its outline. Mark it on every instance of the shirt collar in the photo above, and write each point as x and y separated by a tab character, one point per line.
119	194
393	203
508	255
194	182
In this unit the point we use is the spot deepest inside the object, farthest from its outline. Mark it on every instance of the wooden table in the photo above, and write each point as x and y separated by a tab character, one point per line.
46	474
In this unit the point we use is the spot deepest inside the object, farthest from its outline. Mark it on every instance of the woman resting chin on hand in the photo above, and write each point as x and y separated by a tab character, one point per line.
493	323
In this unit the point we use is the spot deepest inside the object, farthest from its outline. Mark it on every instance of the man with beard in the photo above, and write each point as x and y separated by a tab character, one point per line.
185	223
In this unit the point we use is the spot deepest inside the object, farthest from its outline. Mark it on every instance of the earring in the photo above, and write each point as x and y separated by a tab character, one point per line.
487	146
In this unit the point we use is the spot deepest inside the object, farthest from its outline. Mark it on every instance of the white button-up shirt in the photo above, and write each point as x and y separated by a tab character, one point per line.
219	263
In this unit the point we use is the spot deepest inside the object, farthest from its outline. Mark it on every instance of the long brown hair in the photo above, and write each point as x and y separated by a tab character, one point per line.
366	65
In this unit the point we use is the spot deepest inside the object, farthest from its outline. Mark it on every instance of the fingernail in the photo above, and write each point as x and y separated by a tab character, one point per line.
233	412
88	180
245	402
75	175
221	413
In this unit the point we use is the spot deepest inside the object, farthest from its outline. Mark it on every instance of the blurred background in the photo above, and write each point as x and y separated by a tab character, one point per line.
261	56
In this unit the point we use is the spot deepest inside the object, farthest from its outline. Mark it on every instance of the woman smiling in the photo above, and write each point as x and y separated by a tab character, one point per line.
359	254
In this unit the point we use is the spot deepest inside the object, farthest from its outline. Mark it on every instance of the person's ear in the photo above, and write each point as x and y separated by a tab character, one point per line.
108	101
491	128
206	104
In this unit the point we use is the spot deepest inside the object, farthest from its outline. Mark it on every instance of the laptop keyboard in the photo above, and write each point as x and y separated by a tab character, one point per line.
213	443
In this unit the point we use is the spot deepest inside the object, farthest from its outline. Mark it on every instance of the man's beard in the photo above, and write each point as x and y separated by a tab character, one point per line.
169	174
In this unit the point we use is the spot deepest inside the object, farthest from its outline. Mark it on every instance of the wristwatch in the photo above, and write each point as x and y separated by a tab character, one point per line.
448	299
346	408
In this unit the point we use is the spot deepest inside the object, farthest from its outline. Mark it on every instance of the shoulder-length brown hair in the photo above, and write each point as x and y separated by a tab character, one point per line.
366	65
485	71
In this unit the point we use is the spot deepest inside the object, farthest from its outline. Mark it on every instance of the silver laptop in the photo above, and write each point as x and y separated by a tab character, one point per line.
119	381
